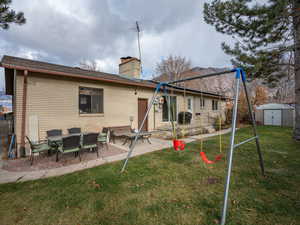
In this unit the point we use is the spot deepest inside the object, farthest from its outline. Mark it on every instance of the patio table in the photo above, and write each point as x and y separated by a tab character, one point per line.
131	136
56	141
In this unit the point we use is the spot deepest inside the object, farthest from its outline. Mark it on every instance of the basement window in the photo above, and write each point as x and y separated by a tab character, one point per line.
90	100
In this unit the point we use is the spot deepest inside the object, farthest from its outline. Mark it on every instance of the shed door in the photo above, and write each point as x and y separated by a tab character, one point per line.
272	117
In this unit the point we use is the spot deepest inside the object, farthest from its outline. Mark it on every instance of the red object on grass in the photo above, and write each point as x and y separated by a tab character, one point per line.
207	161
178	145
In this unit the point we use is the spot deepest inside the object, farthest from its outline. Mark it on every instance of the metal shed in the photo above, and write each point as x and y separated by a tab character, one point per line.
275	114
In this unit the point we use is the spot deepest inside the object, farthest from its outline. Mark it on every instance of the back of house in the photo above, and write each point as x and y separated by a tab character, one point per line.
48	96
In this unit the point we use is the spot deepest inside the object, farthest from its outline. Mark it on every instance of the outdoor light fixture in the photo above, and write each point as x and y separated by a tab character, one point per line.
131	118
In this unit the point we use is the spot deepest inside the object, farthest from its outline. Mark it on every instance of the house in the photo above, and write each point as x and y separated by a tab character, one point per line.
49	96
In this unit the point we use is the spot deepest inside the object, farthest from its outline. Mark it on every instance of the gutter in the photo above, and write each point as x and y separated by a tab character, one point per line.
14	100
23	125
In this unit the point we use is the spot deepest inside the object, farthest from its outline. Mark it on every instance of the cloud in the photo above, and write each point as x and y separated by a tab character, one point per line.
69	31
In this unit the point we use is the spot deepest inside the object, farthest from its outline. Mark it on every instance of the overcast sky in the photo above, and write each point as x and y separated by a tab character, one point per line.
69	31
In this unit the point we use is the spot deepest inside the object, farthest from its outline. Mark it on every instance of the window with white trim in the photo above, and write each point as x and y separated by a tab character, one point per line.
215	104
202	103
90	100
189	104
169	113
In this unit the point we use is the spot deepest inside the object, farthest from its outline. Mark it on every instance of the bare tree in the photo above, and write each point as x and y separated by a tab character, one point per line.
172	67
260	96
223	85
89	65
285	89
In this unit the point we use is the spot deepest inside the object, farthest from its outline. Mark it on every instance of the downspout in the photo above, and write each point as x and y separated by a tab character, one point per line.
14	109
154	117
22	147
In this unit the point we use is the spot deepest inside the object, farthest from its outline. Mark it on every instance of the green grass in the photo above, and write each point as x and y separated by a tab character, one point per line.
168	187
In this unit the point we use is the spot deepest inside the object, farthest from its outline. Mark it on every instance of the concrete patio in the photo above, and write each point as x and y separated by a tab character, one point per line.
141	148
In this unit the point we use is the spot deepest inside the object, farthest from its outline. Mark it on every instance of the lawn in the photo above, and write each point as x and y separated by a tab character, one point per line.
168	187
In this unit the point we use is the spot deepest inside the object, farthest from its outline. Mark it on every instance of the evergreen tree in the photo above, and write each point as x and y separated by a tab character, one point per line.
267	35
8	15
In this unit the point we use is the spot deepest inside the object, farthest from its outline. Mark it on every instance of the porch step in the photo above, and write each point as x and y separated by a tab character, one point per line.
210	129
184	131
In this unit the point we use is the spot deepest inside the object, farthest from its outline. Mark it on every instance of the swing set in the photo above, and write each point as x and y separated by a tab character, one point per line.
180	145
202	153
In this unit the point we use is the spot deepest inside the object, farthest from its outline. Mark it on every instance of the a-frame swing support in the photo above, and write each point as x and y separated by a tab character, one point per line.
239	76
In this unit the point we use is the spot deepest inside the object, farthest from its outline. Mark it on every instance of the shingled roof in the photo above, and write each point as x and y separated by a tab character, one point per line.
44	67
61	70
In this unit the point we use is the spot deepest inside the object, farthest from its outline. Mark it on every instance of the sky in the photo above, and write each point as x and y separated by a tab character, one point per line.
70	31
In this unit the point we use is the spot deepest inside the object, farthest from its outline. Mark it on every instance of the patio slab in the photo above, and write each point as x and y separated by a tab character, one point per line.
45	162
7	176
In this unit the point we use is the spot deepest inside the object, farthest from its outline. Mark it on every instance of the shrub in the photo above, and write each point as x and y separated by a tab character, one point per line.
217	123
228	115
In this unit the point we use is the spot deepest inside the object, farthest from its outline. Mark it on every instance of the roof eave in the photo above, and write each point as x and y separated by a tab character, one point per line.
9	66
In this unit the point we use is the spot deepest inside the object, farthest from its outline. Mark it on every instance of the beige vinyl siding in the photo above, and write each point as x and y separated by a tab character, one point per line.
56	103
207	115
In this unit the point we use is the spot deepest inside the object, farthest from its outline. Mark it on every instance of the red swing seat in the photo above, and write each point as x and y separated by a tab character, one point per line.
207	161
178	145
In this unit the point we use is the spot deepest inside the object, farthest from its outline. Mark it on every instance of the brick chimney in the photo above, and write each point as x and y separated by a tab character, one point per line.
130	66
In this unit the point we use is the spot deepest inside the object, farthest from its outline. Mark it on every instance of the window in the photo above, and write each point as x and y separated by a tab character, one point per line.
202	103
189	104
169	114
90	100
214	105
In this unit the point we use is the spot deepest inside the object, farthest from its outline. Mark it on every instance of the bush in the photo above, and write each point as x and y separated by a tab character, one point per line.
228	115
184	117
217	123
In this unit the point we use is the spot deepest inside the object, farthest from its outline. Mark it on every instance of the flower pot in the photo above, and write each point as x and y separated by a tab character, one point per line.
178	145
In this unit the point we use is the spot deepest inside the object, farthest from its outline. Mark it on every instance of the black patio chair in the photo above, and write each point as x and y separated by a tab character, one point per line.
37	148
54	132
90	141
70	144
74	130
